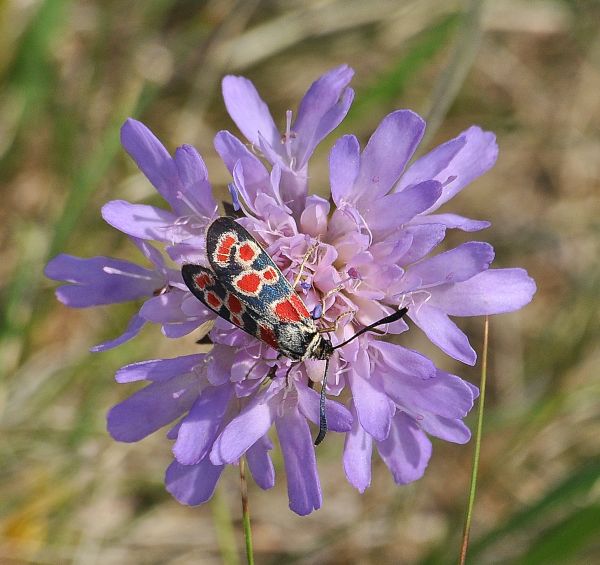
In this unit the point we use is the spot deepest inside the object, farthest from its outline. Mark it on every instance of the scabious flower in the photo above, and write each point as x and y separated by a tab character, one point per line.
368	251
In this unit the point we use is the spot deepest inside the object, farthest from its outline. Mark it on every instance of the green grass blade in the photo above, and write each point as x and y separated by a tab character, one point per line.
576	486
563	541
390	85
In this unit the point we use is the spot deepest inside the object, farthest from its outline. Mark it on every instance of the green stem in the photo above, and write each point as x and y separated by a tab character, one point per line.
226	535
473	488
246	513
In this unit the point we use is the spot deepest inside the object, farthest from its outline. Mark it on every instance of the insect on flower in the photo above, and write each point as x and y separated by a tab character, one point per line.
246	288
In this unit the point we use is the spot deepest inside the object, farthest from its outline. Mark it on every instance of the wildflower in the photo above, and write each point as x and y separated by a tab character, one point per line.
370	253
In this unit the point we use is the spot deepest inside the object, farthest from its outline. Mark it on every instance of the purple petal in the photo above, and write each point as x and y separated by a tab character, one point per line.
192	484
177	330
445	395
328	123
200	427
313	220
165	308
293	188
405	361
455	265
448	429
399	208
158	370
357	456
260	464
193	308
474	390
100	280
344	164
151	408
242	432
304	488
492	292
151	157
424	239
193	178
387	152
248	111
339	418
406	451
477	156
150	252
254	176
186	253
372	405
370	311
173	431
219	367
321	110
432	164
141	220
244	366
73	269
443	332
453	221
136	323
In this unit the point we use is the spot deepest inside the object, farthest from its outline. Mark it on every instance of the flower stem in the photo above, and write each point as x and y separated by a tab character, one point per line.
226	535
246	512
473	488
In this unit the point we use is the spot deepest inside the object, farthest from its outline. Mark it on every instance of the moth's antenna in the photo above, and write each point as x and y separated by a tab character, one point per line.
322	415
387	320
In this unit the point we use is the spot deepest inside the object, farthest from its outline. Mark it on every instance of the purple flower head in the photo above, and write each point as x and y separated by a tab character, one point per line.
323	107
357	259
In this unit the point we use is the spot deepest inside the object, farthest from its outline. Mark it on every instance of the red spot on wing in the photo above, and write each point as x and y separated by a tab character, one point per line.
299	306
213	300
246	252
269	274
203	280
224	246
234	305
286	312
248	283
268	336
291	310
227	240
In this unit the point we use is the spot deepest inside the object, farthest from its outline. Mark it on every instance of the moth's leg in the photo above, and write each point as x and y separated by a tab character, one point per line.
305	259
330	293
336	322
287	375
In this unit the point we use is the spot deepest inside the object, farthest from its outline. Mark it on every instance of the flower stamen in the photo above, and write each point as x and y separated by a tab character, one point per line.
113	271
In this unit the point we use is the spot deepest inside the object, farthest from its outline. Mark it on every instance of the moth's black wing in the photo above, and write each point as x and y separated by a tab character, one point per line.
205	286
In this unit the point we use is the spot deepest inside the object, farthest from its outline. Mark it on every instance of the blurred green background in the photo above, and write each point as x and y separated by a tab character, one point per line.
71	71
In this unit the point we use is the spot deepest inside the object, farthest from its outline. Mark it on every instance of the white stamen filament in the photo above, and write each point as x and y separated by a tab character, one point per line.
361	224
411	299
288	136
243	205
113	271
181	196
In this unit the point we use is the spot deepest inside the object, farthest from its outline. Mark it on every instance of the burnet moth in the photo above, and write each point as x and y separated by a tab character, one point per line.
246	288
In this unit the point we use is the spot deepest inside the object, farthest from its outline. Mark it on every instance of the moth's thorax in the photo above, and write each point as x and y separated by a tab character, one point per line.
319	348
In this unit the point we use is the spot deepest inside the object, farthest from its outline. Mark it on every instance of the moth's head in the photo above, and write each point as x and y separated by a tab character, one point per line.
323	349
